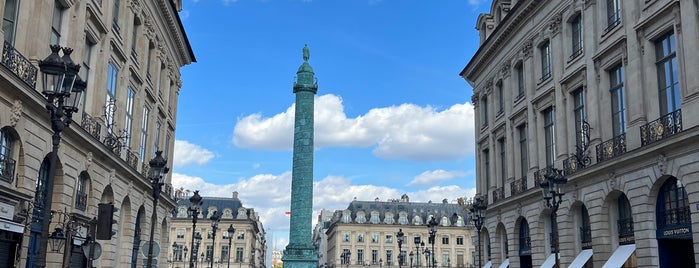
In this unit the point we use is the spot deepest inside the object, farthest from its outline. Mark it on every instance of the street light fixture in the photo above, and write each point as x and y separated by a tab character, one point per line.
551	188
433	232
478	208
193	211
231	231
419	247
215	219
57	238
156	174
401	239
58	76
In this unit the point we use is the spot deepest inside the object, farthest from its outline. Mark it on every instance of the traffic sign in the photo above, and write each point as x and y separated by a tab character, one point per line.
96	252
146	246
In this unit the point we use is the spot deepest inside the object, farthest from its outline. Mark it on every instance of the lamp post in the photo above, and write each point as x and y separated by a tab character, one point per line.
195	249
433	232
193	211
401	239
214	225
551	188
231	231
157	179
419	246
478	208
59	74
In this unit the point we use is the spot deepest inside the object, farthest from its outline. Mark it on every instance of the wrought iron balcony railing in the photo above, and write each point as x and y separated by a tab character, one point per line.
586	237
113	143
625	231
81	201
7	168
132	159
539	175
498	194
672	217
611	148
91	125
19	65
518	186
663	127
144	169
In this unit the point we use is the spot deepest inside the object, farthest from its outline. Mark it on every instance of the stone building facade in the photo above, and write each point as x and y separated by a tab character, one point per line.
130	53
246	248
607	92
367	230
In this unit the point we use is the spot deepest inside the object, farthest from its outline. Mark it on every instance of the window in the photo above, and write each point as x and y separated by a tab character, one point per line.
9	19
345	237
134	36
156	143
374	256
486	168
210	234
374	238
144	133
149	59
115	15
56	23
403	218
360	217
7	164
625	221
668	80
445	259
503	162
374	217
209	252
501	97
389	239
224	252
445	240
109	108
360	256
241	235
239	254
545	49
389	257
388	218
459	240
550	136
576	36
579	113
616	81
167	145
81	194
672	208
360	237
484	111
177	250
129	116
523	150
519	70
345	256
180	233
613	14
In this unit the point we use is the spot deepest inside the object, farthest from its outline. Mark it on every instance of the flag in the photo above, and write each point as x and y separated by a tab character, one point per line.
288	213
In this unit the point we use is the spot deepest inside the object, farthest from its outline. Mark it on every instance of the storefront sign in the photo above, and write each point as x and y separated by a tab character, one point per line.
7	211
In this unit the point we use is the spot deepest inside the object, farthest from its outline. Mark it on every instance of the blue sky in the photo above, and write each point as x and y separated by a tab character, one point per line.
392	114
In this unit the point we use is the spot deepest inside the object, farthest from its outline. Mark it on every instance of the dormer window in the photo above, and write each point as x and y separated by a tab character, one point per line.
375	217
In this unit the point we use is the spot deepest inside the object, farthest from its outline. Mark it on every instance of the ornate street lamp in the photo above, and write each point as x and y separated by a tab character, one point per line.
215	219
478	208
551	187
401	239
57	239
419	248
193	211
156	174
197	238
231	231
58	76
433	232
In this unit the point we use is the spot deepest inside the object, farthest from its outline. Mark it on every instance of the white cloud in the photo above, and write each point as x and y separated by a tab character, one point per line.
187	153
435	176
270	195
406	131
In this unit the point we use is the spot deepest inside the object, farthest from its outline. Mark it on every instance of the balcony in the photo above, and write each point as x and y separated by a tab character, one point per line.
572	165
113	143
144	169
671	218
539	176
518	186
611	148
132	159
663	127
81	201
19	65
91	125
498	194
7	168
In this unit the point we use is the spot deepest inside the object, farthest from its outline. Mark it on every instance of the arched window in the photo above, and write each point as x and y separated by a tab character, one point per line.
361	218
625	221
374	217
673	210
37	215
445	221
585	229
403	218
525	241
81	194
417	220
388	218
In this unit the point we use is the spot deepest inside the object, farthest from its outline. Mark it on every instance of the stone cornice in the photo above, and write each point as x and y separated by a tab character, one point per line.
174	27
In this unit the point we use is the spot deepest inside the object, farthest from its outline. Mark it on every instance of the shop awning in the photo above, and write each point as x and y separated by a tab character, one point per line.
505	264
581	259
550	261
488	264
11	226
620	255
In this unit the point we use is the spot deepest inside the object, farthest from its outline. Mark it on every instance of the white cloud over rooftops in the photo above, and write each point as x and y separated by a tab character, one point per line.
187	154
406	131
